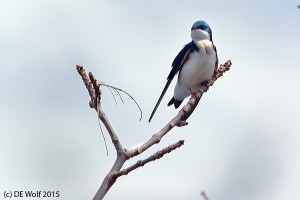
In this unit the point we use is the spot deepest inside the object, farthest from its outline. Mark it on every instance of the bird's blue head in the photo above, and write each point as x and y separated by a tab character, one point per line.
198	30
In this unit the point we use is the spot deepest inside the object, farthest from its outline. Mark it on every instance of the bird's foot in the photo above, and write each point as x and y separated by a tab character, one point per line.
204	86
204	83
194	94
182	123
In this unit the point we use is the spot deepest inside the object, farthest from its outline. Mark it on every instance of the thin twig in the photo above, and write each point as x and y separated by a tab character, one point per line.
113	95
157	155
103	136
118	89
118	93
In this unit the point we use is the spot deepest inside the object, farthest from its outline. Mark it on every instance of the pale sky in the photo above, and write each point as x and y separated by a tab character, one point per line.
242	141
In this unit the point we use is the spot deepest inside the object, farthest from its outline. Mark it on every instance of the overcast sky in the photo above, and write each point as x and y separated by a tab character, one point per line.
242	142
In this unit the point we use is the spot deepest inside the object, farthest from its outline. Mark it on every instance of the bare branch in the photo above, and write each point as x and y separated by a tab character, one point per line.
157	155
96	86
114	138
204	195
86	81
182	116
94	91
123	155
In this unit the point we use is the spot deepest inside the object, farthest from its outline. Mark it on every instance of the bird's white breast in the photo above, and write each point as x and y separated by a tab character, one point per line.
198	68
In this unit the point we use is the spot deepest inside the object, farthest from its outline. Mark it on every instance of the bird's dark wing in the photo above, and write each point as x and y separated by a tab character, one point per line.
177	64
181	58
217	59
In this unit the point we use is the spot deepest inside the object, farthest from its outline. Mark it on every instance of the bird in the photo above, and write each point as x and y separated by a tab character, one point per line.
195	65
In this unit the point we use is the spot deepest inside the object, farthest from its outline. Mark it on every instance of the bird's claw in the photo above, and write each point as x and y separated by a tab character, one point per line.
194	94
182	123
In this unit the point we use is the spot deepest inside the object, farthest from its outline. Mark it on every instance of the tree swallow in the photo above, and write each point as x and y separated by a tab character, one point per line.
195	63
